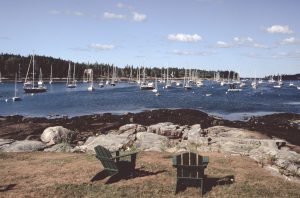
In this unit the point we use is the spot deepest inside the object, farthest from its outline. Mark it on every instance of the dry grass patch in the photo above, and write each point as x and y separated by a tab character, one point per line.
68	175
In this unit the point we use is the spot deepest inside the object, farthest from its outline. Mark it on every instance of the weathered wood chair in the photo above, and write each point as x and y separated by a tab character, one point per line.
190	170
113	164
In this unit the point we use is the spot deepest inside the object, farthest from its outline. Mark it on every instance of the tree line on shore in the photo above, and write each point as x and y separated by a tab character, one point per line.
10	64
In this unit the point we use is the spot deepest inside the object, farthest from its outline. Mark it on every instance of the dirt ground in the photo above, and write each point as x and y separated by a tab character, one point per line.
42	174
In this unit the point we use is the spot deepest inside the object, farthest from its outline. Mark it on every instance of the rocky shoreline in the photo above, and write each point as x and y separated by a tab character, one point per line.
283	125
272	141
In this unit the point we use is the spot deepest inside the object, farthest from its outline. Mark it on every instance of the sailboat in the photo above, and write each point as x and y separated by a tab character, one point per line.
114	76
101	82
168	83
91	87
291	84
71	84
19	78
107	81
50	80
233	88
186	83
254	83
271	79
130	80
279	82
16	97
29	87
155	90
146	85
138	77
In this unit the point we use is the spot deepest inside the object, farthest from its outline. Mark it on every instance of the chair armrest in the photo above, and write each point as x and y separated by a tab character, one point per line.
124	155
191	166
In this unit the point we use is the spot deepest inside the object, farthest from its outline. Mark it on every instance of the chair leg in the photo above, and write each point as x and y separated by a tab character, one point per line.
202	187
177	186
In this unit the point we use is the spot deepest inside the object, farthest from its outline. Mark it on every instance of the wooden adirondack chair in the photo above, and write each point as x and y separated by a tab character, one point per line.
113	165
190	170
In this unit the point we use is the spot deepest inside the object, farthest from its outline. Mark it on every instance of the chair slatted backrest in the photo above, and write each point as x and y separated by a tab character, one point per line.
105	157
190	165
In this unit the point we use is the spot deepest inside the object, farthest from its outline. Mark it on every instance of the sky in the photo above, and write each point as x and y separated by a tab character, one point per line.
253	37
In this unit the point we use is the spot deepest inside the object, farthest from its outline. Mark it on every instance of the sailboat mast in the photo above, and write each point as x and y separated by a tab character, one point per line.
19	72
16	85
33	70
144	75
51	74
28	69
108	73
40	75
68	73
184	78
167	75
74	75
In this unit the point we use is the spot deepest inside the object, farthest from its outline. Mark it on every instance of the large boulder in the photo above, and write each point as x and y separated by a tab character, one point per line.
62	147
194	134
57	134
5	142
112	142
24	146
229	132
151	142
167	129
131	128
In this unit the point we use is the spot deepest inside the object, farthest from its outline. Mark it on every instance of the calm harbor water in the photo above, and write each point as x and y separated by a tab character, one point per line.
125	97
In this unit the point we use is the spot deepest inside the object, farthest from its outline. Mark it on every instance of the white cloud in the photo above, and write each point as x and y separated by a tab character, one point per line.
110	15
276	55
120	5
292	55
97	46
139	17
248	42
190	53
184	37
222	44
243	40
4	38
54	12
290	41
67	12
279	29
123	5
78	13
257	45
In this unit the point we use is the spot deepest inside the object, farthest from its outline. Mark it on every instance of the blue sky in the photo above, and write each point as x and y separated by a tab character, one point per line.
250	36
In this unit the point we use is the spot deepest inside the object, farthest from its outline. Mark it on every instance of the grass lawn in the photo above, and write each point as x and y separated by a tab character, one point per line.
43	174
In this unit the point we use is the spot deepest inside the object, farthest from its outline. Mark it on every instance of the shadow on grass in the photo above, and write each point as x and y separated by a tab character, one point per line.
211	182
123	175
7	187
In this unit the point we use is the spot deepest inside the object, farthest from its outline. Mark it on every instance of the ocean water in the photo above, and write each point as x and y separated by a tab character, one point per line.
125	97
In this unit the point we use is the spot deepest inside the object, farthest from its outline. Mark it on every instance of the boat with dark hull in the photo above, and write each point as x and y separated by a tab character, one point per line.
30	87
